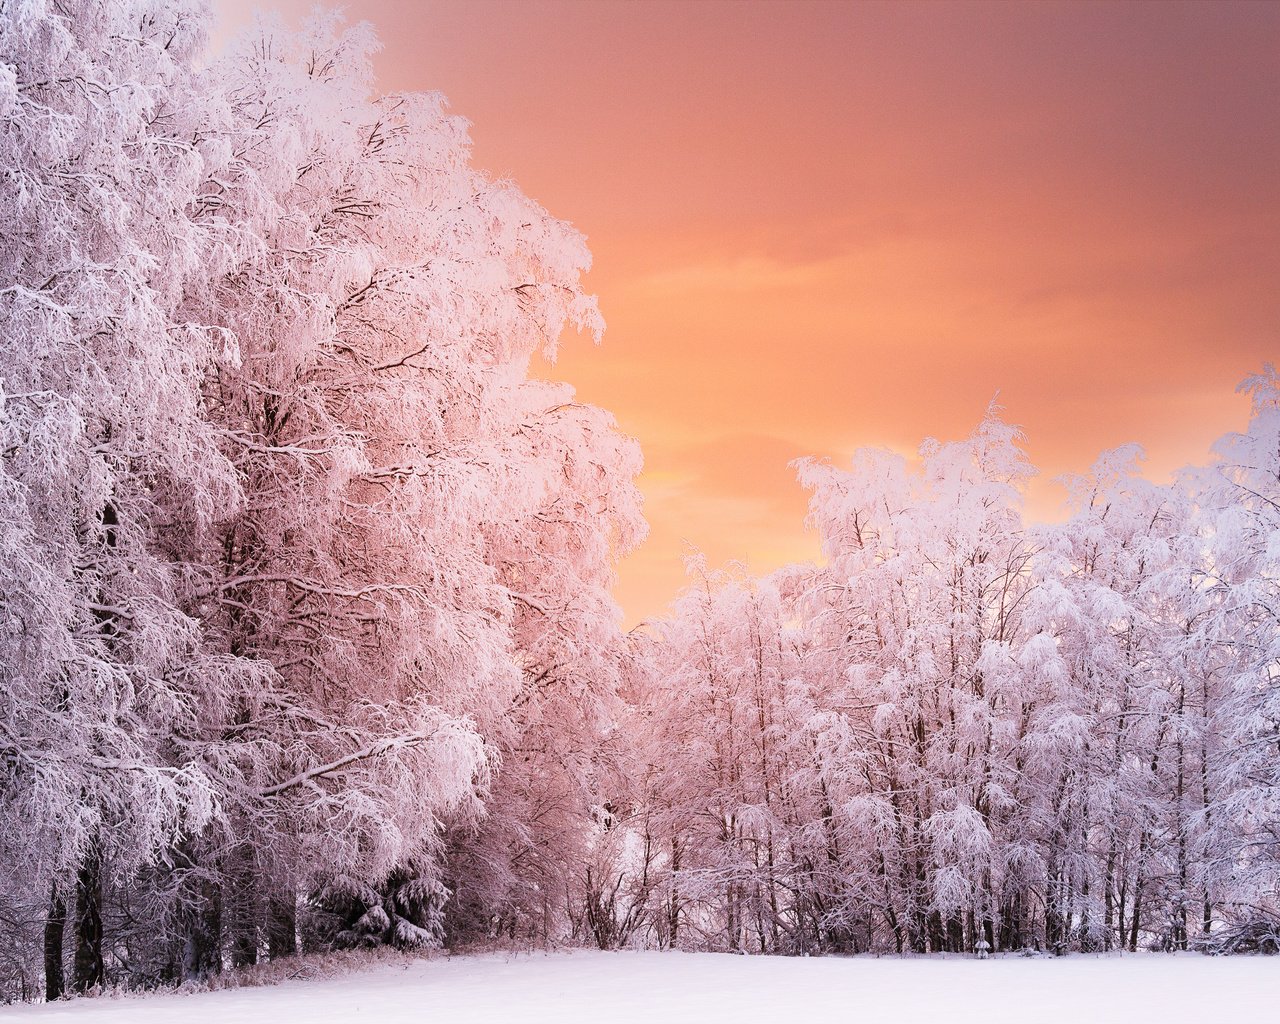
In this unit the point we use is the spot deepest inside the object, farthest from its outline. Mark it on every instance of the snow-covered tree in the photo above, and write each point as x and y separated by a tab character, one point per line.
1236	641
428	532
1112	579
105	452
917	612
575	514
298	552
732	797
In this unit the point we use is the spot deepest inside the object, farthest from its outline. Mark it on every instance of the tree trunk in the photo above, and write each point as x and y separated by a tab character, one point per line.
282	929
55	925
1179	936
88	957
202	950
1055	939
1108	895
1207	908
1122	898
1139	883
88	966
242	914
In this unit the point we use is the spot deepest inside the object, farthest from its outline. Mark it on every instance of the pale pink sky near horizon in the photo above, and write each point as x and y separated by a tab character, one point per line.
823	225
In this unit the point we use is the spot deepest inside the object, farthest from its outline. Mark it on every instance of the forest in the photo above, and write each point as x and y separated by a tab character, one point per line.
307	638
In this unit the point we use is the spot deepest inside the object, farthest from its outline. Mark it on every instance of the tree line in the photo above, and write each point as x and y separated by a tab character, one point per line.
963	731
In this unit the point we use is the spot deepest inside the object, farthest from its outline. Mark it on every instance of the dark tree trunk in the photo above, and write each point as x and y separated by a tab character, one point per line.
1137	914
282	929
202	947
244	948
87	965
937	933
1179	937
673	901
88	958
1088	941
1011	922
1108	895
242	913
55	924
1122	901
1054	925
892	918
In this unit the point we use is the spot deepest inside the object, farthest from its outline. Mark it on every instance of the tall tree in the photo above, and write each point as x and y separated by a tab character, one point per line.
1238	579
575	512
104	449
428	531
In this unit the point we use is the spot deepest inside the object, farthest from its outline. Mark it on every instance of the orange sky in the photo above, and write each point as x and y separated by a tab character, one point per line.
818	226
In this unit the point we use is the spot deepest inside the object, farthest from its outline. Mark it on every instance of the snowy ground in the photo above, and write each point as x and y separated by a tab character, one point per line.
662	988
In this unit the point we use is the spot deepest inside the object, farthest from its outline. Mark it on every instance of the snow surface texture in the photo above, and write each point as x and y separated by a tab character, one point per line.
618	988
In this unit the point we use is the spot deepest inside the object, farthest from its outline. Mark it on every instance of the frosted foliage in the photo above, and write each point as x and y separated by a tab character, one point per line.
962	729
293	548
104	444
575	513
1236	638
424	522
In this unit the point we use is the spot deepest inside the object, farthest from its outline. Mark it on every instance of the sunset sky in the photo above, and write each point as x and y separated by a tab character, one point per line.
820	226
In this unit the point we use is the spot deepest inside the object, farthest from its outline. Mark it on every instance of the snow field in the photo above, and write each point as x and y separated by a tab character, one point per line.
665	988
